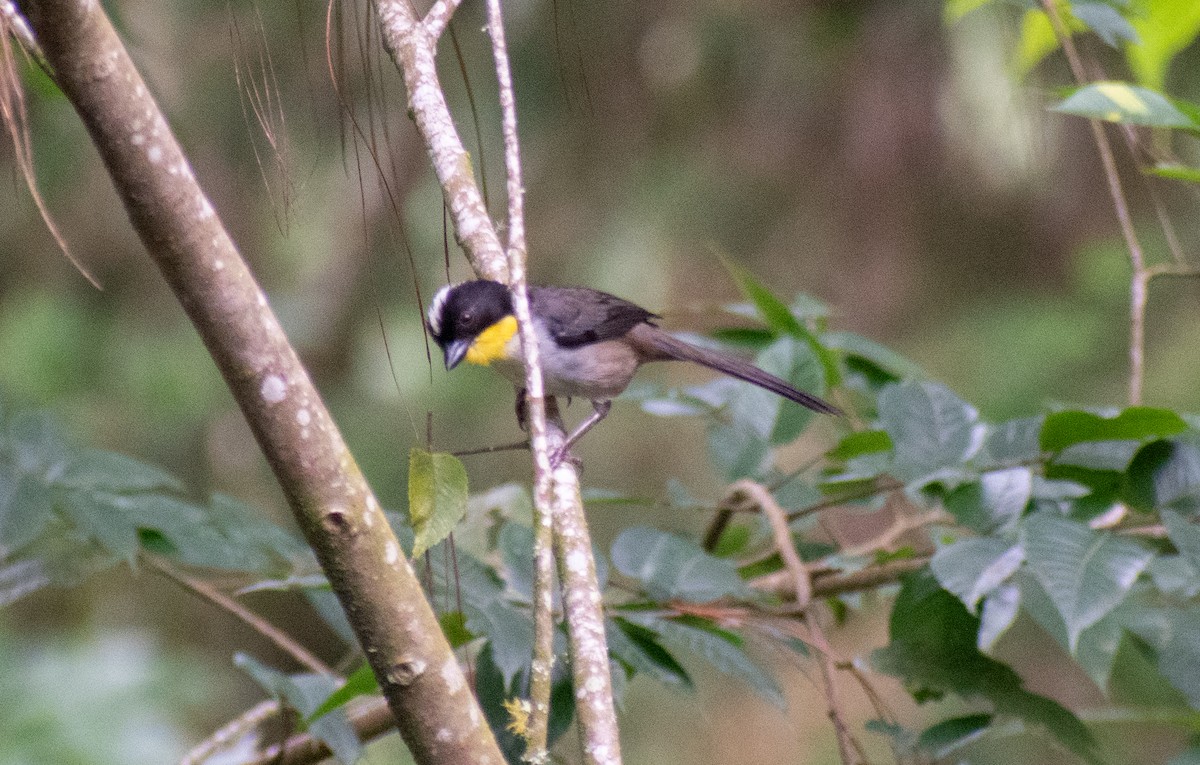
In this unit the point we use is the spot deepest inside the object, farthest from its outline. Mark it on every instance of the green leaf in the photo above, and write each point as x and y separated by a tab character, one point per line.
638	648
1178	659
99	516
1164	473
669	566
489	613
861	442
796	363
1112	456
773	310
1185	535
933	650
995	502
780	318
718	647
1176	172
26	507
1014	440
1137	423
954	10
1103	19
972	568
97	470
437	496
737	450
1164	28
932	429
1037	41
997	615
1126	104
877	363
493	689
949	736
1086	573
361	682
454	627
38	444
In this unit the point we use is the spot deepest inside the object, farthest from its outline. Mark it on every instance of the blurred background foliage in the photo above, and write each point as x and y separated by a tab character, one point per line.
867	153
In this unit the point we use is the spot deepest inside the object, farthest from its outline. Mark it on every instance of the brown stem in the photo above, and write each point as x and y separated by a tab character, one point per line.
245	615
1138	282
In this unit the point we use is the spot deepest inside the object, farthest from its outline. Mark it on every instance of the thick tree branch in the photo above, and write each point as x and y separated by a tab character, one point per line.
334	507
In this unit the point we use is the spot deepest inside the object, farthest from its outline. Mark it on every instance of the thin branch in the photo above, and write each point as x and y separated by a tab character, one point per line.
882	485
438	17
901	526
514	446
1171	269
333	506
1138	282
802	591
784	545
252	620
370	720
232	732
831	584
542	665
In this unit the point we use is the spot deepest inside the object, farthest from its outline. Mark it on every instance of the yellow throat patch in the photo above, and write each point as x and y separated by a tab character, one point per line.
492	343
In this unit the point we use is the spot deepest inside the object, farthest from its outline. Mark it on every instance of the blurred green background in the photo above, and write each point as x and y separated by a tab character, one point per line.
861	152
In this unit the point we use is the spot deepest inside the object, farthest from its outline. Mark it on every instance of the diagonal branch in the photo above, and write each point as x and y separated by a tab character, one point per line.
203	589
418	673
412	47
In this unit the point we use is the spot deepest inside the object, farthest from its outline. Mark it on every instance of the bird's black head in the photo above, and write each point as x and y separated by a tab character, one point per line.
459	313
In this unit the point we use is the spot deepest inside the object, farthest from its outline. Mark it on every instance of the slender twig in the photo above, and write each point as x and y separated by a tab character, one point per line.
881	485
537	728
802	591
1171	269
902	525
830	584
514	446
278	637
800	581
439	16
1138	282
232	732
369	718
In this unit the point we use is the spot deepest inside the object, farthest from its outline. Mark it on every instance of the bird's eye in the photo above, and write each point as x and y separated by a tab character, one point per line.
467	317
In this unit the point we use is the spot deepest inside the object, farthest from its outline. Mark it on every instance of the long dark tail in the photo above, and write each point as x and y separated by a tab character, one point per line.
657	345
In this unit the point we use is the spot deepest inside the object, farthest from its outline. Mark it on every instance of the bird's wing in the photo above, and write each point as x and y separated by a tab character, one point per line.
577	316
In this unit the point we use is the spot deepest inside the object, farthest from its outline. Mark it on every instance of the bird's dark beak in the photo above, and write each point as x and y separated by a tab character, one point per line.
455	352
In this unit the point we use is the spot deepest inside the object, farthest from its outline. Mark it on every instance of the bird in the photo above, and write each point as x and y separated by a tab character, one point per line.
590	344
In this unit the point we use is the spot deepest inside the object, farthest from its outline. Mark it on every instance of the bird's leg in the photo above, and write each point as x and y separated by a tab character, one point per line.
600	411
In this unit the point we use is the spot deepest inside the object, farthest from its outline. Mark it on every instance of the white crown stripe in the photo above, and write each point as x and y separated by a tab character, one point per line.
435	308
